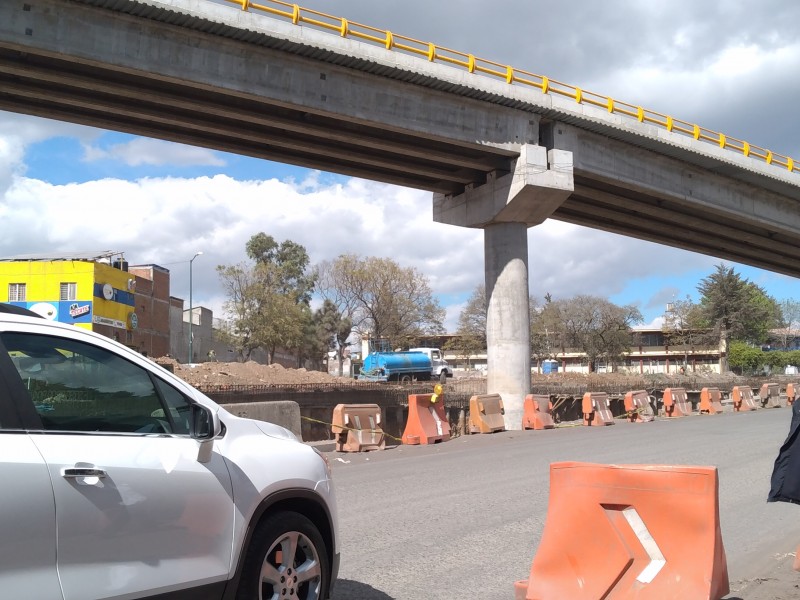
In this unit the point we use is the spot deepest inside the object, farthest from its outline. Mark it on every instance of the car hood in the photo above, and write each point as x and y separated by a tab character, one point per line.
275	431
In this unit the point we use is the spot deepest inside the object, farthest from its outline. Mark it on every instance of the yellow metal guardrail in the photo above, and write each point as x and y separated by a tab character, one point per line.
392	41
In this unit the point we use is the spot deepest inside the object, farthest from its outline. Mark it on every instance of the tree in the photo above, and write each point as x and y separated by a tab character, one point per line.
735	309
381	298
599	328
744	357
312	346
334	329
290	261
546	328
789	321
470	336
684	326
268	301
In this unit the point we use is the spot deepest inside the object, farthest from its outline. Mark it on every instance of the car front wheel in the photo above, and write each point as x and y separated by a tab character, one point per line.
287	560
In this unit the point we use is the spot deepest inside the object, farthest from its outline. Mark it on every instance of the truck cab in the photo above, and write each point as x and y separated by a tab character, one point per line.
440	368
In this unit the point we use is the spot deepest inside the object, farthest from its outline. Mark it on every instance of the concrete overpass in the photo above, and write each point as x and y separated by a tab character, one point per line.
501	149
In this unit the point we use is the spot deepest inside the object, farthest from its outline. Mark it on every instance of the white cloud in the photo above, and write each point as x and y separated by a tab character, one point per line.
656	323
166	220
145	151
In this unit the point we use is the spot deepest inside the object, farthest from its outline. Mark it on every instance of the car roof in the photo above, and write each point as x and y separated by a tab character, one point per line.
17	310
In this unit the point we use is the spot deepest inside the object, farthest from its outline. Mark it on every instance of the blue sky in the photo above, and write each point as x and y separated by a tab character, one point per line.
66	188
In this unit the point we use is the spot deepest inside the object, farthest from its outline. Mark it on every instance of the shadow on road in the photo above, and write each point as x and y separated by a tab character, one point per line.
347	589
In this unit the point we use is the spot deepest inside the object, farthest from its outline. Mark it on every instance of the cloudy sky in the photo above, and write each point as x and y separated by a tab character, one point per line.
728	65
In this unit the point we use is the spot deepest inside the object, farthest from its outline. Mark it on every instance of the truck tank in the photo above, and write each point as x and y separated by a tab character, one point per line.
396	366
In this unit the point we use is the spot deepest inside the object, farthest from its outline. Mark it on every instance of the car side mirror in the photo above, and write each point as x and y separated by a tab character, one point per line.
204	427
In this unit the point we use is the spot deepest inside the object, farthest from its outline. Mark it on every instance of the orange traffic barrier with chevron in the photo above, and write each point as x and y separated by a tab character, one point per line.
676	403
357	428
638	407
596	411
710	401
629	532
791	394
427	421
486	414
536	412
743	400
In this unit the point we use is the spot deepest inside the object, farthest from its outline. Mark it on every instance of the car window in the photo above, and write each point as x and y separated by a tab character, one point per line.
76	386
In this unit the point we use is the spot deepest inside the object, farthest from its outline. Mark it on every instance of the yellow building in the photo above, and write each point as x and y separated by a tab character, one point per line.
95	293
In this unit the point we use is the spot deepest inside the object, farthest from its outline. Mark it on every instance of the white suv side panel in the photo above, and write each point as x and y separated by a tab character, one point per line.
28	522
158	519
150	517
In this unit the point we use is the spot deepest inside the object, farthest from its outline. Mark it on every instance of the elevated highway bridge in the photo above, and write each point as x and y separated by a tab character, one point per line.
502	149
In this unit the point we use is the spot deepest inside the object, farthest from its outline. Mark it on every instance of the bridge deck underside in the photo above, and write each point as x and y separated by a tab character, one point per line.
94	94
679	223
140	104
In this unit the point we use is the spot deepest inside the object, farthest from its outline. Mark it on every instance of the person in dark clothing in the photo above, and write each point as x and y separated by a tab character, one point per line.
785	484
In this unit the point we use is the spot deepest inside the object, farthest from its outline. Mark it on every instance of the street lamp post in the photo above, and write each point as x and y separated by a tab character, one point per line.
191	308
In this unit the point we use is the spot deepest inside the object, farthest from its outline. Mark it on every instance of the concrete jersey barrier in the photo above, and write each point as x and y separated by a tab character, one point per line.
486	414
357	428
638	407
596	410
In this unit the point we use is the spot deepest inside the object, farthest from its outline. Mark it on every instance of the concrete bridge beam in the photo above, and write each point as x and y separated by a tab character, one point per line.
504	208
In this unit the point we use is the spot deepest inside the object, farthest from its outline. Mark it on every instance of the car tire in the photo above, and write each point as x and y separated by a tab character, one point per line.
287	558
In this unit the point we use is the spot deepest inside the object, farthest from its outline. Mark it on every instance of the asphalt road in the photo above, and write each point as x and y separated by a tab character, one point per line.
462	519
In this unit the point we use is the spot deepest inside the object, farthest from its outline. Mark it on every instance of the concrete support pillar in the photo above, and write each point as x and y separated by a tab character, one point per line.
504	207
507	316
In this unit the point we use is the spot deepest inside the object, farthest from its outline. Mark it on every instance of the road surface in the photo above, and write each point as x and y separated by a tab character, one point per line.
462	519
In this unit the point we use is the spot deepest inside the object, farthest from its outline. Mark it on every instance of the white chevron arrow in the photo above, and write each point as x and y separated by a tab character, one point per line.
657	560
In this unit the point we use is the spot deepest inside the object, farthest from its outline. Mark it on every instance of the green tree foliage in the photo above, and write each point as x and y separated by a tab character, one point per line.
333	329
381	298
268	300
744	357
736	309
291	265
312	346
789	321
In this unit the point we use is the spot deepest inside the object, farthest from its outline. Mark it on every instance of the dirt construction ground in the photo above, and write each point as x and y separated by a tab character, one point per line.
248	373
253	373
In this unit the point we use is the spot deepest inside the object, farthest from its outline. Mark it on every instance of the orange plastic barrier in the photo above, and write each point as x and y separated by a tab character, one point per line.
427	422
357	428
536	412
791	394
743	400
643	532
486	414
596	411
638	407
711	401
770	395
676	403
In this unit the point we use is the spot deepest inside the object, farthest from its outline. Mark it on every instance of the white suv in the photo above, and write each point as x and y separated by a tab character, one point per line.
119	480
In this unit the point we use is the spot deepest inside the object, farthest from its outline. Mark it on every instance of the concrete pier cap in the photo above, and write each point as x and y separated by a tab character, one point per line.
504	207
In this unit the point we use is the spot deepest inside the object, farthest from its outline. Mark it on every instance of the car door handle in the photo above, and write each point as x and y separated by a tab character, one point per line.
82	472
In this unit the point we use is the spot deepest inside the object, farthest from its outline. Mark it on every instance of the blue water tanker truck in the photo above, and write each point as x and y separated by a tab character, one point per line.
384	364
